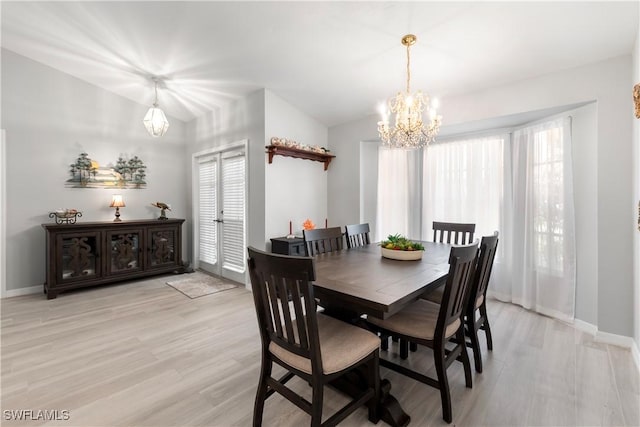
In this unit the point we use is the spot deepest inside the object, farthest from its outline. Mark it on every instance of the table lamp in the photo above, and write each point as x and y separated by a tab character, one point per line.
117	202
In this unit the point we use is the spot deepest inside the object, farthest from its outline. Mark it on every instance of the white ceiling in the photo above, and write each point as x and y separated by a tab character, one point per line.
334	60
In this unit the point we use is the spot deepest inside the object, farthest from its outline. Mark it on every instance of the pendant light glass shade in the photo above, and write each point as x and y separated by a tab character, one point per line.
155	121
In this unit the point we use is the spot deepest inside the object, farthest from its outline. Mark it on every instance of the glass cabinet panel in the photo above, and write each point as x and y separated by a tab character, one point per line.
163	247
80	254
125	254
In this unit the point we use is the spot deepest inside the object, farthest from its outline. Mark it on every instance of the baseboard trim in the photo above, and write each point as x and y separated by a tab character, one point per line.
585	327
614	339
22	291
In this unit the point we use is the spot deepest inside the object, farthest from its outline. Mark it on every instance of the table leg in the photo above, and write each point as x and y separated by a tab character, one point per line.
389	408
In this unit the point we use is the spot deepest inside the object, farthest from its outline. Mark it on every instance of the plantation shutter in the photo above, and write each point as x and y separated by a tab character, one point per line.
208	229
233	196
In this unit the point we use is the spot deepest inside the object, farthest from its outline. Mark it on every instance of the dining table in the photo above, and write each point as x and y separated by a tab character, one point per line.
358	281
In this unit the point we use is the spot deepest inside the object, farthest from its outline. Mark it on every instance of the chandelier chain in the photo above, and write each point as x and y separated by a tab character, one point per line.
408	68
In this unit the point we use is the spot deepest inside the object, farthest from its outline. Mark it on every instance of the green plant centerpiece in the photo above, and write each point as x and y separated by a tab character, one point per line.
400	248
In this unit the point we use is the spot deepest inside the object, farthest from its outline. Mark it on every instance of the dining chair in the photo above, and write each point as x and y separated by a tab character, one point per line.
477	300
322	240
437	326
307	344
453	232
357	235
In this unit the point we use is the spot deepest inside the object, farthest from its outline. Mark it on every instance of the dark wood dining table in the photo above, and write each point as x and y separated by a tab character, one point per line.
357	281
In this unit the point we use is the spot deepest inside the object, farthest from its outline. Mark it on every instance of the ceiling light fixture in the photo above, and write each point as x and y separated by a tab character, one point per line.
409	130
155	121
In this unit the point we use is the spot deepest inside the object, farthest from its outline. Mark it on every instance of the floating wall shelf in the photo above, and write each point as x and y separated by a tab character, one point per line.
281	150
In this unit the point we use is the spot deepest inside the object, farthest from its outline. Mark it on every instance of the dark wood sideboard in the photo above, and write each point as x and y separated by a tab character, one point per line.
95	253
284	246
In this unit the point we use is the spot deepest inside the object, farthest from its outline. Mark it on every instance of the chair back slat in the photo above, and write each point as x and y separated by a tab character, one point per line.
453	233
283	295
322	240
488	249
462	261
357	235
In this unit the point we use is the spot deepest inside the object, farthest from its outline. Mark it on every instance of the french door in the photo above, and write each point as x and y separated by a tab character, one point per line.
219	205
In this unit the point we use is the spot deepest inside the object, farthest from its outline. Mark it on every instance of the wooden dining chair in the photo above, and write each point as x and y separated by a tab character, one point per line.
357	235
478	299
437	326
315	347
322	240
453	232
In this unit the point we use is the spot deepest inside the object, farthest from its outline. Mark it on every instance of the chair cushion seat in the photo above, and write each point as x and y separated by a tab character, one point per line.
418	320
341	346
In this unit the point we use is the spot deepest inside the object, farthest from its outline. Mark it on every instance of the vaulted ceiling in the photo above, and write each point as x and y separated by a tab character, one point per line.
334	60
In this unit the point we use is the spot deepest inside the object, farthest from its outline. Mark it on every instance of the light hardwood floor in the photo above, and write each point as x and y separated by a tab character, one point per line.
143	354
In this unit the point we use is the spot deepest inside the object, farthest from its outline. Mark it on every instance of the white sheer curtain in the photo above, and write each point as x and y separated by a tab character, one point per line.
520	185
398	209
541	260
463	181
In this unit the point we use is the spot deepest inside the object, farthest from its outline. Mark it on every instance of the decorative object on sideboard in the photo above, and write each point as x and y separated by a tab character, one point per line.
65	216
163	207
308	224
636	99
117	202
126	173
409	130
155	121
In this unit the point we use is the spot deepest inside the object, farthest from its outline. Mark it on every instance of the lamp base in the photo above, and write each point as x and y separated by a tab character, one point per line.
117	215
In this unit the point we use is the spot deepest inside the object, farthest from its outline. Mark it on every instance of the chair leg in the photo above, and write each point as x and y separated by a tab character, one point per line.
316	404
384	342
261	393
465	358
413	346
472	332
404	349
485	323
443	382
374	382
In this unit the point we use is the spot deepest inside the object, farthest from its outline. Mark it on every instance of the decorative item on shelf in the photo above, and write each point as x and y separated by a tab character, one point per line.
65	216
409	130
163	207
400	248
636	99
117	202
308	224
155	121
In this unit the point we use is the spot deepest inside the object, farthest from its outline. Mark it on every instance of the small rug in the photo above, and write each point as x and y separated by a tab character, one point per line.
197	285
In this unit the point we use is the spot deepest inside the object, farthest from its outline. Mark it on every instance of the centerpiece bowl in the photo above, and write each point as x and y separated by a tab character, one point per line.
400	248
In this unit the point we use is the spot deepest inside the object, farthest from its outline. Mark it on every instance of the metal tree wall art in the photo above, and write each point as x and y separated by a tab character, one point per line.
126	173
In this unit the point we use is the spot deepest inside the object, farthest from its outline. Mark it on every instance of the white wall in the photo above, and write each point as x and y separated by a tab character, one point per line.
605	82
636	201
50	118
295	189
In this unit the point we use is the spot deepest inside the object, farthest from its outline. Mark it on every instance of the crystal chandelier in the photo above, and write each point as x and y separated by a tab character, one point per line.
155	121
409	131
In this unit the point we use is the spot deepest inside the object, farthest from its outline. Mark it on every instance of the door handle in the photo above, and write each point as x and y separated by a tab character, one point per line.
218	220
